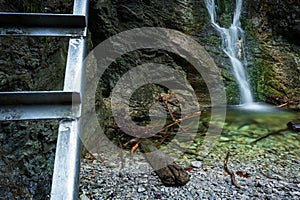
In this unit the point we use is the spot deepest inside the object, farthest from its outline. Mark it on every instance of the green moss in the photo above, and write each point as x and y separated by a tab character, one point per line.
225	12
263	77
31	7
231	87
264	80
232	93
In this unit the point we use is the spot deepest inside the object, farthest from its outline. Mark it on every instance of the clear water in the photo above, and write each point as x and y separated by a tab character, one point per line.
253	121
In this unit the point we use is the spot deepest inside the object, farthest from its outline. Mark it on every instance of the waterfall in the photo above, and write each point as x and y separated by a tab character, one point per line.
232	45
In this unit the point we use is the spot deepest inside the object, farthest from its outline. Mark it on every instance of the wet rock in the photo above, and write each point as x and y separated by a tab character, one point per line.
224	139
295	126
196	164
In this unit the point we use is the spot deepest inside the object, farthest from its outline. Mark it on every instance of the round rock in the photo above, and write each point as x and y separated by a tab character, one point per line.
196	164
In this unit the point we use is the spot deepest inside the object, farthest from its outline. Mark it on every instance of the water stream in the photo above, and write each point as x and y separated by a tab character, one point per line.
232	45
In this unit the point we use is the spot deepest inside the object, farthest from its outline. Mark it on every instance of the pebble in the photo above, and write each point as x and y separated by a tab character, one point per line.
141	189
196	164
111	165
224	139
83	197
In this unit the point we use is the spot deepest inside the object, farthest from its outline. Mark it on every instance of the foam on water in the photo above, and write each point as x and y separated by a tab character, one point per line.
257	107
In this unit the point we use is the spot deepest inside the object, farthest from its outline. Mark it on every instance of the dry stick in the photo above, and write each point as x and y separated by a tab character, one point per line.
176	122
282	105
232	176
168	133
287	103
165	101
180	120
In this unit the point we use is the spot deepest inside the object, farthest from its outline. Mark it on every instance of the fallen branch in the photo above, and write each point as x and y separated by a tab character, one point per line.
282	105
270	133
288	103
169	172
293	126
230	172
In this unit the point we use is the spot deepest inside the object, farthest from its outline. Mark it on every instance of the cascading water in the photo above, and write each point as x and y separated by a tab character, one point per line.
232	45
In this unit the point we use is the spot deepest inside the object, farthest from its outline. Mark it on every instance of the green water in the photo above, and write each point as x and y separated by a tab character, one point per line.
245	125
276	155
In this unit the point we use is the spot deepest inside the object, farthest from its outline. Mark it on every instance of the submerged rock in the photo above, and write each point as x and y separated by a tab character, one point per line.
295	126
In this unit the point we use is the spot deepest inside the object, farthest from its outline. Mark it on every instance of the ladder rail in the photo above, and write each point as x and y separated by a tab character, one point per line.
54	104
68	149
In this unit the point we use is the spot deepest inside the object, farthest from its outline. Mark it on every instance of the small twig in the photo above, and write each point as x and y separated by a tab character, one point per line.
180	120
230	172
176	122
168	133
165	101
135	146
266	175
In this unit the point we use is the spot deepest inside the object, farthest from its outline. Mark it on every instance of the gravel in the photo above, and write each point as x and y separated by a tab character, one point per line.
268	169
136	180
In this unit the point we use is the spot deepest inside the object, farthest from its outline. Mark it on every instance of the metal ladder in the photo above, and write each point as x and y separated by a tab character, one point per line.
63	105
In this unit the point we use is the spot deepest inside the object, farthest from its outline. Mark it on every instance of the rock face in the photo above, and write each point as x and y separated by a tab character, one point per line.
272	45
111	17
273	29
28	147
282	17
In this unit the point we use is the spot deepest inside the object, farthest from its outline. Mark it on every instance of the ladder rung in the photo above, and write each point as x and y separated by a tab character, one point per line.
38	31
39	97
42	20
39	105
39	24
